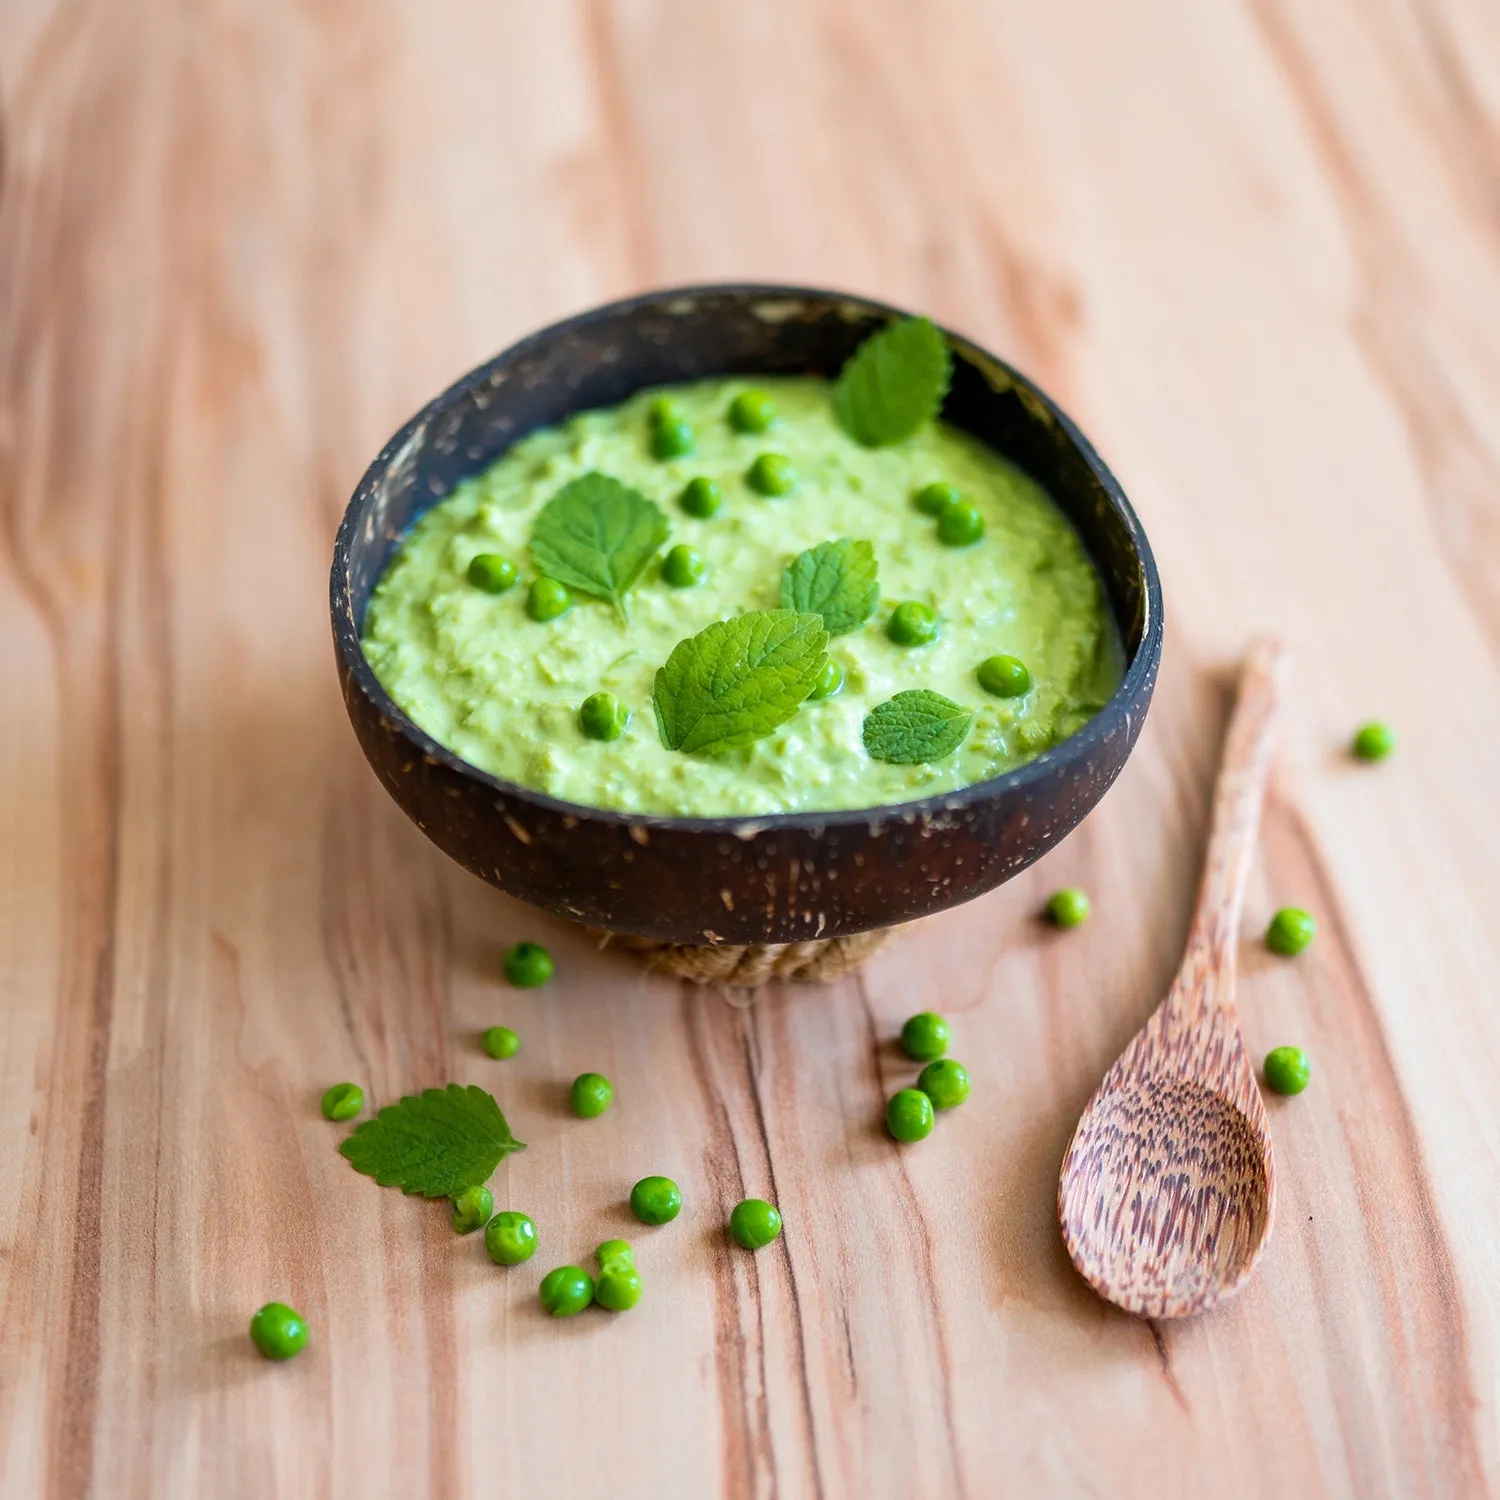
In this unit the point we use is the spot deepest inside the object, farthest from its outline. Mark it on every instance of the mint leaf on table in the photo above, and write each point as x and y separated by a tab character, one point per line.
893	383
838	580
915	726
596	535
737	680
435	1143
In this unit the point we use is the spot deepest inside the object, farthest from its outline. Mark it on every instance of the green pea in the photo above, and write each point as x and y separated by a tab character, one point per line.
591	1095
663	409
1373	741
528	965
343	1101
510	1238
683	566
603	717
772	474
566	1291
655	1200
500	1041
754	1223
925	1036
945	1082
278	1331
672	437
1068	907
702	498
960	526
1288	1070
491	572
1291	930
913	624
472	1209
751	411
1004	676
830	681
909	1116
934	499
614	1252
547	599
618	1289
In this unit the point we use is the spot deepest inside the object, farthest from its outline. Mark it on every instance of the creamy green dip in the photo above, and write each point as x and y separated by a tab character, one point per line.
503	691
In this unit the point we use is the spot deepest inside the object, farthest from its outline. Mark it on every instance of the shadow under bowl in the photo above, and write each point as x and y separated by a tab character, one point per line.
777	879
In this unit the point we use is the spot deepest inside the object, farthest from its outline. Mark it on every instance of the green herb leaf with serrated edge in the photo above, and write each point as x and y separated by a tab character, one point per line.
737	680
838	580
916	726
893	383
596	535
435	1143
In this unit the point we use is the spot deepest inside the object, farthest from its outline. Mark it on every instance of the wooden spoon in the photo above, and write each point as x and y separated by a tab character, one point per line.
1168	1190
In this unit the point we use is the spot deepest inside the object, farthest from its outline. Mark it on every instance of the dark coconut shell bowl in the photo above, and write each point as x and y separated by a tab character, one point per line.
793	877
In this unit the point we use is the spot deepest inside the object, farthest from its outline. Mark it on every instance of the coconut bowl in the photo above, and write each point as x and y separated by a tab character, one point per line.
783	879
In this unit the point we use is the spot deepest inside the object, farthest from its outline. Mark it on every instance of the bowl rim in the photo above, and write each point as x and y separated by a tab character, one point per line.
1138	673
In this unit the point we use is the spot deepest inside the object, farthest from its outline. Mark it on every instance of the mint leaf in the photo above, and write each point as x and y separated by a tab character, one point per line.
737	680
435	1143
596	535
916	726
893	383
838	580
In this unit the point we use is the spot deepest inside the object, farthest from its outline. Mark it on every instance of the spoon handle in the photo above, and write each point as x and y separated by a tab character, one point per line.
1238	795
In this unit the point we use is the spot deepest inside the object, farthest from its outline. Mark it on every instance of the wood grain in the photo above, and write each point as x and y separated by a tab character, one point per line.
1252	245
1167	1194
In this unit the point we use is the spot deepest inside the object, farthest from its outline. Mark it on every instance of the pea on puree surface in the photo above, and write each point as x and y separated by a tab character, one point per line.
503	690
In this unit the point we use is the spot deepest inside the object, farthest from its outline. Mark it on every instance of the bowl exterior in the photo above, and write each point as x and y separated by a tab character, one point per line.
777	879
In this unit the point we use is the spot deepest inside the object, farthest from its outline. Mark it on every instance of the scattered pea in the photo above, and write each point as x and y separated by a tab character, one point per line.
278	1331
945	1082
343	1101
566	1291
656	1200
934	499
672	437
500	1041
1291	930
603	717
528	965
751	411
663	409
830	681
510	1238
1373	741
925	1036
547	599
1004	676
683	566
772	474
472	1209
1068	907
909	1116
913	624
702	498
619	1285
1287	1070
960	525
754	1223
491	572
591	1096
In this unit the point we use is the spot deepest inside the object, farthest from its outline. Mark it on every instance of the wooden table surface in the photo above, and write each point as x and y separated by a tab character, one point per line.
1253	245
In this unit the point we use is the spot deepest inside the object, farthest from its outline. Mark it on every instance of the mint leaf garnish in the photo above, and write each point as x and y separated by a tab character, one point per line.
916	726
893	383
435	1143
837	580
737	680
596	535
